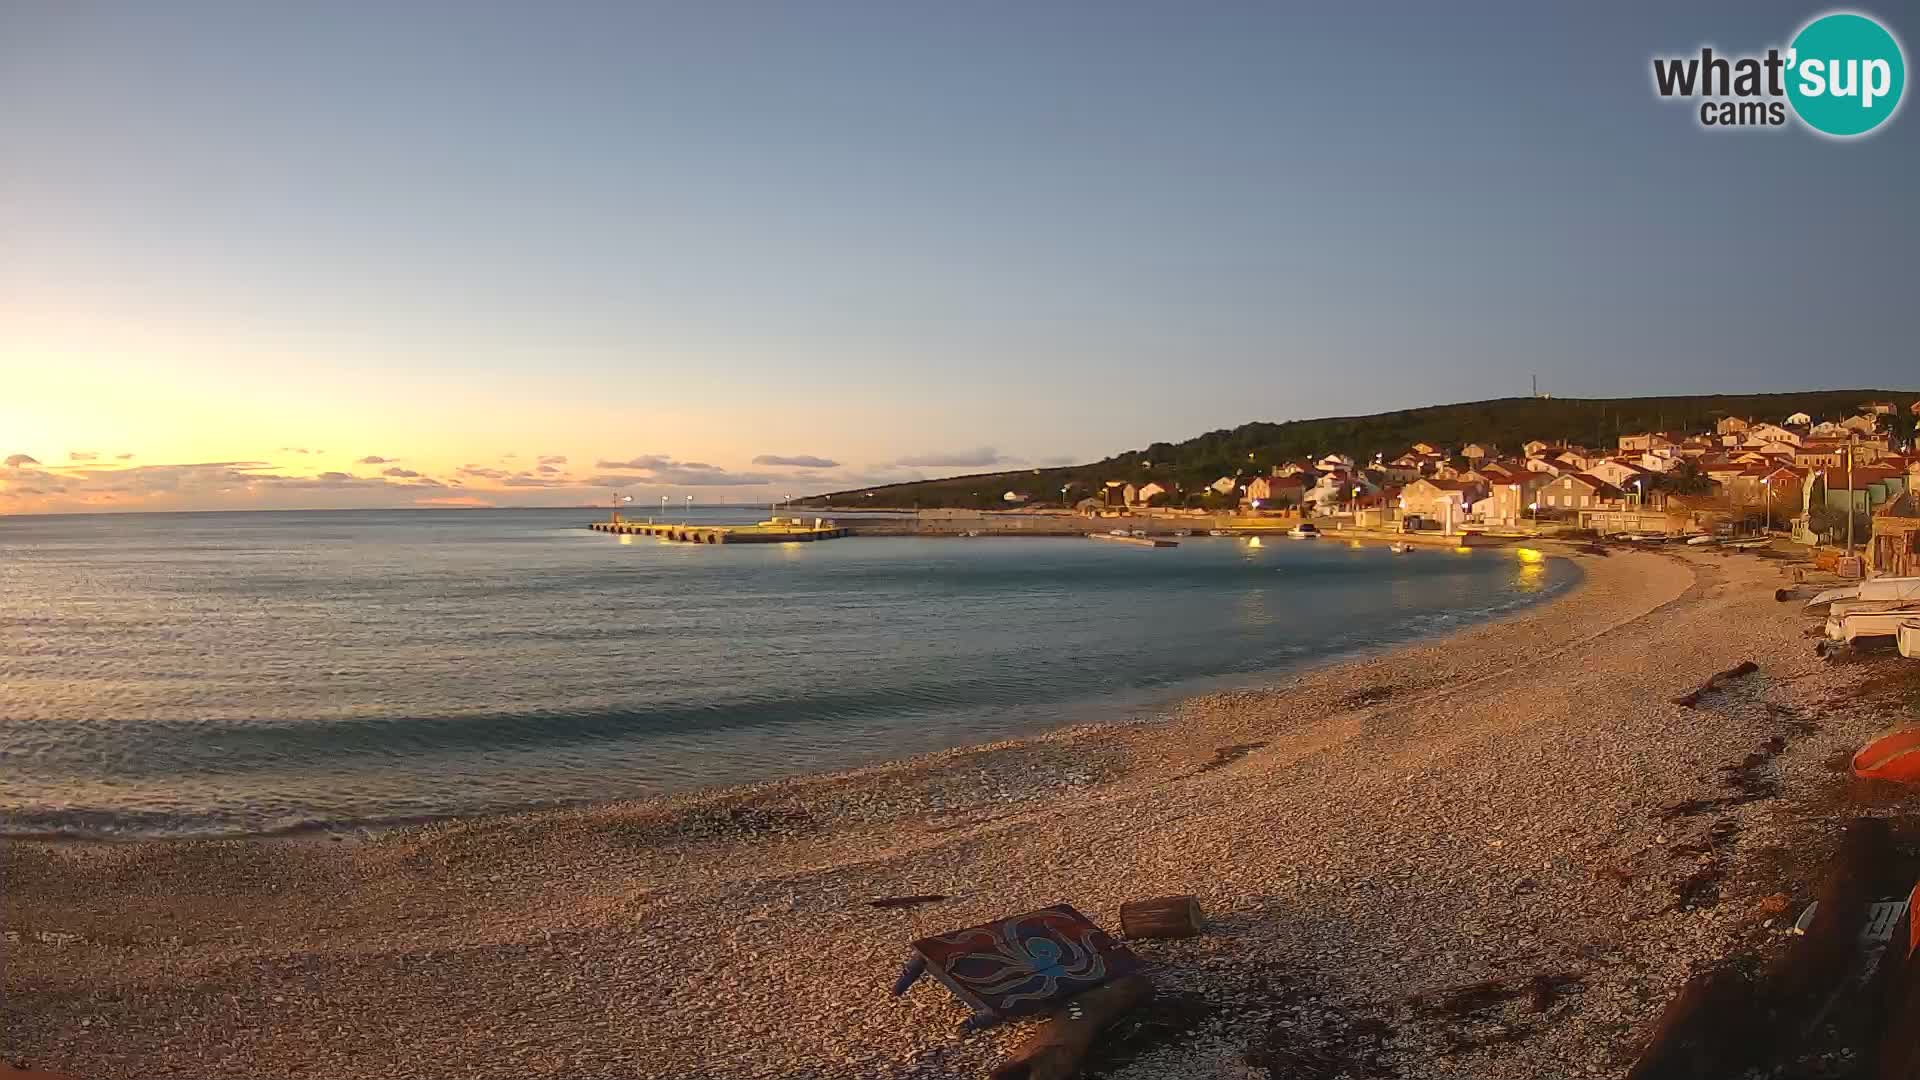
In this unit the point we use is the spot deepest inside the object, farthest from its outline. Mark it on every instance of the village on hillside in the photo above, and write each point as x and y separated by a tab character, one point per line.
1846	480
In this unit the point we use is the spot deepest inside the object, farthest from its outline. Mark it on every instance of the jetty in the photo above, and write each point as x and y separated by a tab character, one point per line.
773	531
1136	541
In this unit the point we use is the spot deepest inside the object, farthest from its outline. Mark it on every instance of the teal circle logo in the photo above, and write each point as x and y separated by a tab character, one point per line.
1845	73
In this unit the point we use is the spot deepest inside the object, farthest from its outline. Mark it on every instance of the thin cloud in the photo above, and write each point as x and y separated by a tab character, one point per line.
481	472
128	456
375	459
399	473
15	461
83	455
798	461
553	459
977	458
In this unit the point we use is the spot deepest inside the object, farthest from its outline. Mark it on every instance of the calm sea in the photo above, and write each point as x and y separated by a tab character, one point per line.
223	673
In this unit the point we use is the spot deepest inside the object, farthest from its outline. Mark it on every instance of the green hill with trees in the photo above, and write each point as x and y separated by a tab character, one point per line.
1251	449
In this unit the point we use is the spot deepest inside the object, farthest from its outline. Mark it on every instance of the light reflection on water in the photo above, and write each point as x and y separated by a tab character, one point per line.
246	671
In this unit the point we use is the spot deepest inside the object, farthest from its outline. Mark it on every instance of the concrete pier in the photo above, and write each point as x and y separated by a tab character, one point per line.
724	534
1136	541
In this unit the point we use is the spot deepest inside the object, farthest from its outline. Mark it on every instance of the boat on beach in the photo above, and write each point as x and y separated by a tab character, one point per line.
1399	547
1304	531
1886	588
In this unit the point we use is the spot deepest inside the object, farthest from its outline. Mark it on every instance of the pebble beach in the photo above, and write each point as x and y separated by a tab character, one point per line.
1491	854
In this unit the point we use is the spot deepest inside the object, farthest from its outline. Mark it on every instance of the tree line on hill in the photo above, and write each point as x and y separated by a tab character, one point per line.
1186	467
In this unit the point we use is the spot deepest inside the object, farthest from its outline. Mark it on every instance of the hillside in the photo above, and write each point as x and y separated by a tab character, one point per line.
1252	448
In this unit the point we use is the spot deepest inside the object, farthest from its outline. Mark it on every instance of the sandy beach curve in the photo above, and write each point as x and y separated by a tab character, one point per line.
1486	807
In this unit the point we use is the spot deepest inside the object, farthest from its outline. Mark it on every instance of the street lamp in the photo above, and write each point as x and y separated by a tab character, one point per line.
1766	496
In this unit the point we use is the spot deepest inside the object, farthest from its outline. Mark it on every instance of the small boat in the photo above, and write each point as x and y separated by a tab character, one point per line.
1893	756
1304	531
1118	532
1399	547
1885	588
1848	626
1702	540
1219	532
1908	638
1138	532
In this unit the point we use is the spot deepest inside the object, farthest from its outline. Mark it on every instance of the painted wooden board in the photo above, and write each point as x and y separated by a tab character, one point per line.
1024	964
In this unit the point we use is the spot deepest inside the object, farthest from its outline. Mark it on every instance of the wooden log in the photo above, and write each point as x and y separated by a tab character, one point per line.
1898	1055
1161	917
1798	981
1899	1052
1692	698
1709	1029
1057	1050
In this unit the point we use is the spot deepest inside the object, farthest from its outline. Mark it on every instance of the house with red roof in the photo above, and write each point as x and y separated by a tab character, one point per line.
1581	491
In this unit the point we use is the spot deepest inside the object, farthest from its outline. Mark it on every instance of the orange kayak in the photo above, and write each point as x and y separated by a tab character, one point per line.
1893	756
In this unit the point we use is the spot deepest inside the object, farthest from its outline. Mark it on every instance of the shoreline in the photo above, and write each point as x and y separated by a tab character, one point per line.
1162	703
1449	811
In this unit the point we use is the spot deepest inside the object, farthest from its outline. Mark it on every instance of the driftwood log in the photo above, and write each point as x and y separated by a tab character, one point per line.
1722	1022
1161	917
1057	1050
1709	1029
1798	981
1692	697
1900	1039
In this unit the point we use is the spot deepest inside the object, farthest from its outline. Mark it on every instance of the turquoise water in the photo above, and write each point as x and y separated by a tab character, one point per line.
216	673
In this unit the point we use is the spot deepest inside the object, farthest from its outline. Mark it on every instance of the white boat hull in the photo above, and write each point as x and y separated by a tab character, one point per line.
1859	624
1886	588
1908	637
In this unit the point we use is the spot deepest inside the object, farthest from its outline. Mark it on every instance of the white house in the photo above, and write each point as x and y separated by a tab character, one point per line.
1225	485
1013	497
1580	491
1333	463
1147	493
1767	433
1620	473
1440	500
1799	418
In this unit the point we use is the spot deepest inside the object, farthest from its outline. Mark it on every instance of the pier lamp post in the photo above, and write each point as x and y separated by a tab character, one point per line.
1766	495
663	508
689	508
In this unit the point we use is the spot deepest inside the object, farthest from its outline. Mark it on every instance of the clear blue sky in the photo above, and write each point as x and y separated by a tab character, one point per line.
875	232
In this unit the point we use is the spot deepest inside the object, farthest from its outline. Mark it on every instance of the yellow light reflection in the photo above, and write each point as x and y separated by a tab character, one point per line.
626	538
1463	550
1529	555
1253	541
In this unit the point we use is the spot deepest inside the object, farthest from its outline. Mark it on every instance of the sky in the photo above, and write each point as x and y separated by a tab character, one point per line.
361	254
